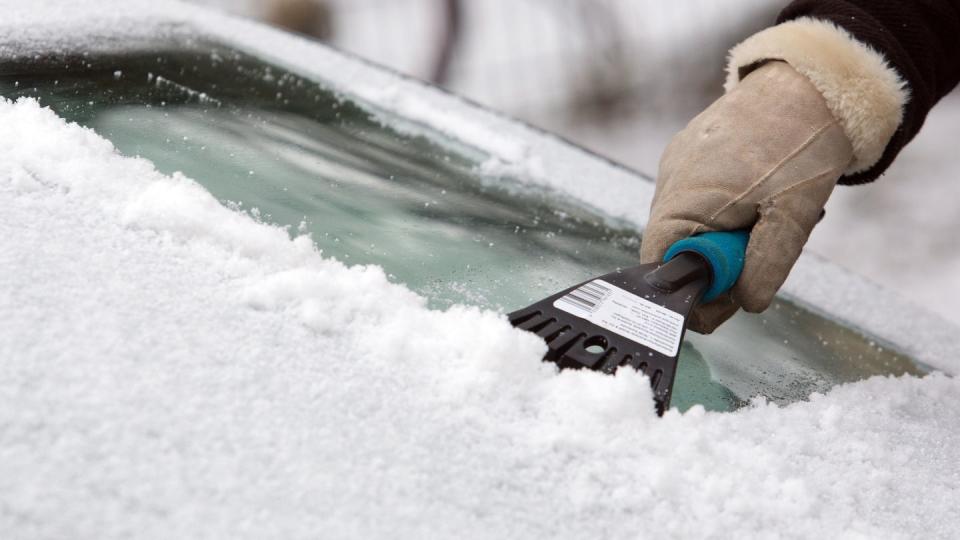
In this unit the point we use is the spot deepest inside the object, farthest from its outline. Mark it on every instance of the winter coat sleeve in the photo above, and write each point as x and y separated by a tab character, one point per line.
881	65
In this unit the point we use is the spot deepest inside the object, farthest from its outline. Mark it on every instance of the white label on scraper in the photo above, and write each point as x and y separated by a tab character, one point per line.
617	310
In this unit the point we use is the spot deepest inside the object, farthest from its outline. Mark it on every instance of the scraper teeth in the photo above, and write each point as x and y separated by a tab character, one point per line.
610	354
527	318
559	347
655	379
551	330
542	327
576	357
550	336
613	363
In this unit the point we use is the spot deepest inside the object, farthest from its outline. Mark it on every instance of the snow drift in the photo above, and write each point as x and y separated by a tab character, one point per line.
172	368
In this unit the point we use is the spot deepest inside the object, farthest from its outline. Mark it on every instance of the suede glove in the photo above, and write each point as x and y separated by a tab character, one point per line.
764	156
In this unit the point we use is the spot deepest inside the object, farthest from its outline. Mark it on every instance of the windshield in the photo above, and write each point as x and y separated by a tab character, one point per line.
292	152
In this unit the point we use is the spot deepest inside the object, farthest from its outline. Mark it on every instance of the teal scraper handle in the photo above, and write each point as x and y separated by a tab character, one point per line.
724	251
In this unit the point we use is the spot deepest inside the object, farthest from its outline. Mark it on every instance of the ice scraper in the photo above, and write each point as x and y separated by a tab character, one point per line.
637	316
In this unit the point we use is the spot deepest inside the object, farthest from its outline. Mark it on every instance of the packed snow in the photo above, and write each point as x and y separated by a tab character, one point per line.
173	368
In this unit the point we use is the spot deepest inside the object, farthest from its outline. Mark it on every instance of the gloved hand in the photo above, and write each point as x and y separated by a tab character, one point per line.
766	155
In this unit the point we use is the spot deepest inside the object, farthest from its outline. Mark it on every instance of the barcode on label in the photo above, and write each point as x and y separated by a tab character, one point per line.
587	297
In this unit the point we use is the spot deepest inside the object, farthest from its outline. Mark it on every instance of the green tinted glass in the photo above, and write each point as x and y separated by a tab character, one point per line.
294	153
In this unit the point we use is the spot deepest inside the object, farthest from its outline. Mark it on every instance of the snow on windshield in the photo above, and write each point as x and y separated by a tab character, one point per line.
43	26
173	368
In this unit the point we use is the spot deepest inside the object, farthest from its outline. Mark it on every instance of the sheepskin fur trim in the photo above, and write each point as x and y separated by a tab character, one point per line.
865	94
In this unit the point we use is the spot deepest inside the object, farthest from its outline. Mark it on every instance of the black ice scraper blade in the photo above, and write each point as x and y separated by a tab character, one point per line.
636	317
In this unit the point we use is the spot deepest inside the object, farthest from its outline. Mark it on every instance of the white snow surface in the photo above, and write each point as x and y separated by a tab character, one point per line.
172	368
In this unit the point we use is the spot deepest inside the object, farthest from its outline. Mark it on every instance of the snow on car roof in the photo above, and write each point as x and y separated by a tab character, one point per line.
174	368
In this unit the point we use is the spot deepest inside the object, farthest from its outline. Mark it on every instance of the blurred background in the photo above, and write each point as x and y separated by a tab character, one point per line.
619	77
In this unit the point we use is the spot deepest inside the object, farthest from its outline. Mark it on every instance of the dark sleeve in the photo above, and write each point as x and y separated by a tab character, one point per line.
919	38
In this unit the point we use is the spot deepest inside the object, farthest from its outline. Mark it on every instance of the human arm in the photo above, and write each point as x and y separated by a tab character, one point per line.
754	158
